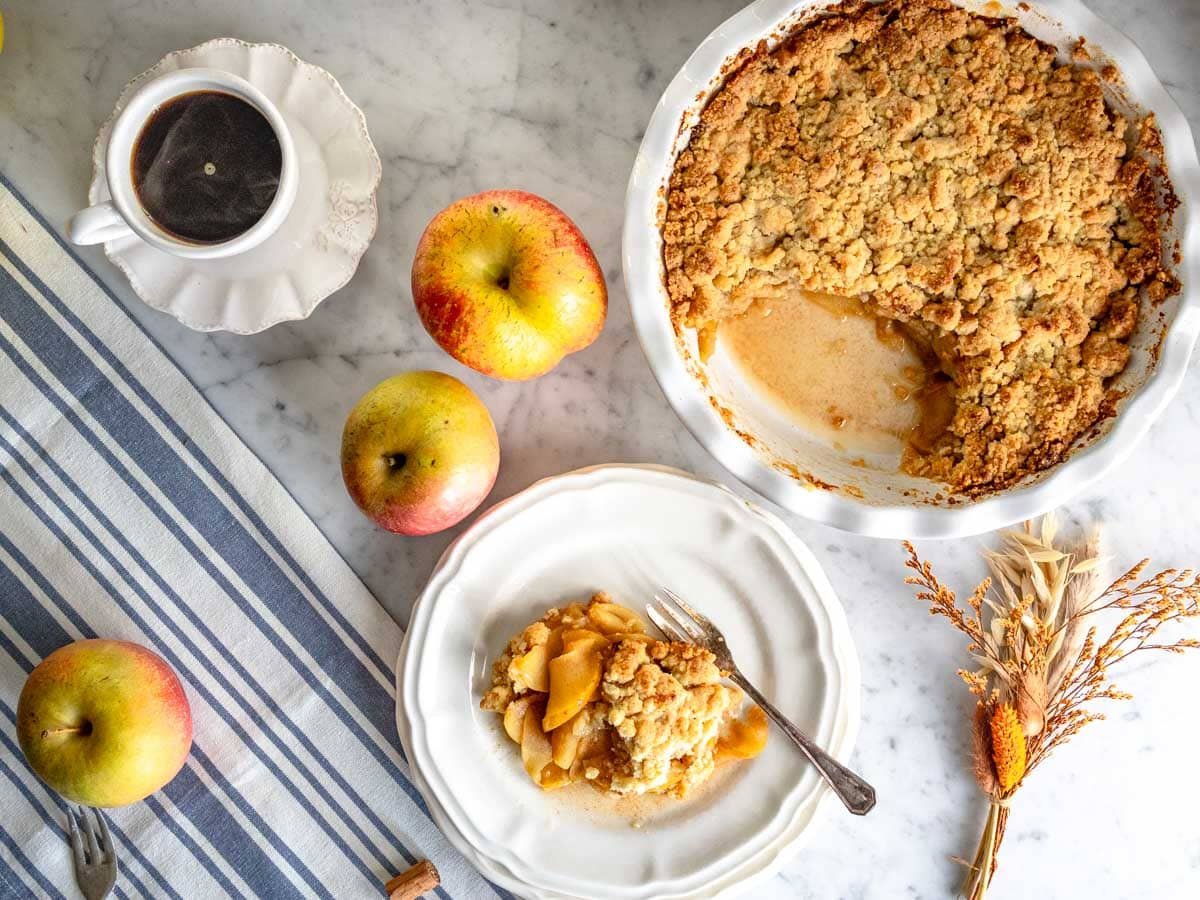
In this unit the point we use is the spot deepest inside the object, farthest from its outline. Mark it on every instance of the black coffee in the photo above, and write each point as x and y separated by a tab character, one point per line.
206	166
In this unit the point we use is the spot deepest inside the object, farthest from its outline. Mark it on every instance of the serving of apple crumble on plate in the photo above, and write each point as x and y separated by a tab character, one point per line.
944	170
635	710
590	696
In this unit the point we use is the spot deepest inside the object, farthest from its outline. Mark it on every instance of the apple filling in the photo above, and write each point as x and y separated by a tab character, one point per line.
589	696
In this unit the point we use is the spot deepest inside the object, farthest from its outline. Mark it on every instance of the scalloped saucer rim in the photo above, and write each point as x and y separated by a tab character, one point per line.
348	222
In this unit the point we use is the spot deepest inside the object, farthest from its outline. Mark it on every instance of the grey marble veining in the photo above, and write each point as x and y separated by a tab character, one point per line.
552	96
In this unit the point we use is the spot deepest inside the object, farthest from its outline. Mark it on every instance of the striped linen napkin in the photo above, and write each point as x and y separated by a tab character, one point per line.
129	509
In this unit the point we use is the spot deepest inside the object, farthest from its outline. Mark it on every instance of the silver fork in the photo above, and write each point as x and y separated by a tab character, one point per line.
680	622
95	856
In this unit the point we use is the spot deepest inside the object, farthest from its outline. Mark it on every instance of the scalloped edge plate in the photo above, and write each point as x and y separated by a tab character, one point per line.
317	249
469	773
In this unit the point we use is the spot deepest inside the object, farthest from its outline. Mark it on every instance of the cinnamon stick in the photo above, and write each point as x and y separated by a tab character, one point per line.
421	878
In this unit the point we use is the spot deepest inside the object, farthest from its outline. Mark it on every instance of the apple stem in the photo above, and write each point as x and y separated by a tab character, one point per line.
85	729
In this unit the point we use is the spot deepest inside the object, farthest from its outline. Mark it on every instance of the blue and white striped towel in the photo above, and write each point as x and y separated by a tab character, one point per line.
129	509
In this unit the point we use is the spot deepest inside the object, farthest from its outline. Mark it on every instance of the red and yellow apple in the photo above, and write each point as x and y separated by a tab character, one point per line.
506	284
419	452
104	723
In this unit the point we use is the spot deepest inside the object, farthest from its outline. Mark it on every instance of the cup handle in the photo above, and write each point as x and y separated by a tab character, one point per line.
96	225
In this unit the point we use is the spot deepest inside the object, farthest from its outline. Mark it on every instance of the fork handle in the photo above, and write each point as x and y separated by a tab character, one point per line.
856	794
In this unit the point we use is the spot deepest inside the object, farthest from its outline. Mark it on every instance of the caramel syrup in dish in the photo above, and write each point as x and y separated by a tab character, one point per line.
841	373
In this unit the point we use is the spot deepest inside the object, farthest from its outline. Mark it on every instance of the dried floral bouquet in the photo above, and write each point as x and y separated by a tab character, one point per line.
1035	631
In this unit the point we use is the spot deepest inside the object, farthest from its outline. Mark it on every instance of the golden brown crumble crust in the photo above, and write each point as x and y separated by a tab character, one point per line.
663	701
942	167
667	706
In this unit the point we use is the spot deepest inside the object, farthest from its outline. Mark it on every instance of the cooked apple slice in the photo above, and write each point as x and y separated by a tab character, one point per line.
564	741
529	670
573	638
595	743
554	777
743	738
536	752
514	717
612	618
574	679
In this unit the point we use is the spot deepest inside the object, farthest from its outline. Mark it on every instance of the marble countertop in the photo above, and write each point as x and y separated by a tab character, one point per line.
552	96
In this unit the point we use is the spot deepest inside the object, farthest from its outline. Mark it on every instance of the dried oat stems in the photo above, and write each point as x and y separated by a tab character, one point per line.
1043	634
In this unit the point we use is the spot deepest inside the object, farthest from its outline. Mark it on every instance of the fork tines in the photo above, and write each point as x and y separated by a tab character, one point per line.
680	622
91	842
667	620
93	851
676	619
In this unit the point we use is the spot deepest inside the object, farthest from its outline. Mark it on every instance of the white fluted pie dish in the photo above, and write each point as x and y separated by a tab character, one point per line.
806	474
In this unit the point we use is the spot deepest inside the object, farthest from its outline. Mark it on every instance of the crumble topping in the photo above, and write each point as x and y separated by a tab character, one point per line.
666	704
656	723
944	169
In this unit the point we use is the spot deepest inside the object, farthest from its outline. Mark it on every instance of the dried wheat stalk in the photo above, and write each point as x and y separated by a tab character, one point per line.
1033	633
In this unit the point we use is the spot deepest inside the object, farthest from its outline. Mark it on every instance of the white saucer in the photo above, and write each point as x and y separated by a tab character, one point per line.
628	530
318	247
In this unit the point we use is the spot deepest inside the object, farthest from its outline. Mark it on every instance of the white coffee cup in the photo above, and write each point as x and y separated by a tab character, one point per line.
124	215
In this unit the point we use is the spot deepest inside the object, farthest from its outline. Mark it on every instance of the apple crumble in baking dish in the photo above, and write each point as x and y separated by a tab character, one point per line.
942	169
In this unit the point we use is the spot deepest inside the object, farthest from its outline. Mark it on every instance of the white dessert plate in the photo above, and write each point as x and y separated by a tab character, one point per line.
805	473
627	530
317	248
